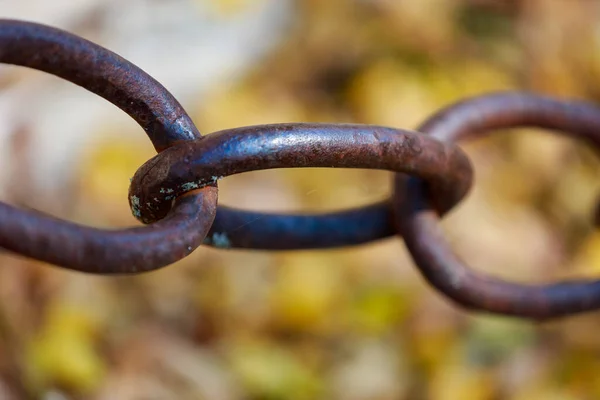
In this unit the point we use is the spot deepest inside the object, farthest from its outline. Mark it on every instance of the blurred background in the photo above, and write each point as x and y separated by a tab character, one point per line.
356	323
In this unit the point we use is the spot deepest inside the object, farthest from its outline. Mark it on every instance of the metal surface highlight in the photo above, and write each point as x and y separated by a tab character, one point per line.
176	192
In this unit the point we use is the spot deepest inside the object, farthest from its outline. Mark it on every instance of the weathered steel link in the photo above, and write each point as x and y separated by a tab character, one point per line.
100	71
164	120
418	221
193	164
125	251
235	228
175	192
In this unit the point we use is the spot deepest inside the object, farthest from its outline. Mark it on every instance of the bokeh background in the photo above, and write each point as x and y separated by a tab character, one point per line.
353	324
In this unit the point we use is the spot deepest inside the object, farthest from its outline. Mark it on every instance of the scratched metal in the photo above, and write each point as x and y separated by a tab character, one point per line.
418	221
160	115
191	165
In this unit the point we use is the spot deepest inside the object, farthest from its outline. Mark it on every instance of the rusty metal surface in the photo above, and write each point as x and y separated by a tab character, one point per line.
126	251
164	120
100	71
175	192
418	221
191	165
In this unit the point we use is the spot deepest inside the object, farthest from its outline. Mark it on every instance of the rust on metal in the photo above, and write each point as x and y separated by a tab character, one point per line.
191	165
175	192
125	251
418	221
160	115
100	71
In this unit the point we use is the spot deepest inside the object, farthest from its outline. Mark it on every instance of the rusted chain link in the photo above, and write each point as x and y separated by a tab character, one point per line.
162	118
175	192
194	164
419	223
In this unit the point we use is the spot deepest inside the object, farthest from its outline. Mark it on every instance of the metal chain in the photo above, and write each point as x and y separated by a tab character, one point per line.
175	192
419	223
155	110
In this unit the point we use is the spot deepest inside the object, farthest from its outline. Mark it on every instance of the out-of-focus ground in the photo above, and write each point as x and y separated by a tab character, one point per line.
351	324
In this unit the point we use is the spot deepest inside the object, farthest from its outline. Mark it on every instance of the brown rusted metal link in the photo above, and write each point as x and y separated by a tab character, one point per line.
418	221
150	105
175	192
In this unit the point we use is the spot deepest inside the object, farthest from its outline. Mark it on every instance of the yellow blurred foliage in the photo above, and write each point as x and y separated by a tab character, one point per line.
388	92
271	372
244	104
104	177
587	261
376	310
230	7
457	380
307	292
106	171
429	347
64	352
545	391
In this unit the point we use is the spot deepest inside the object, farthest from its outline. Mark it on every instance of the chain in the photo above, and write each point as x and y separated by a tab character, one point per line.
175	193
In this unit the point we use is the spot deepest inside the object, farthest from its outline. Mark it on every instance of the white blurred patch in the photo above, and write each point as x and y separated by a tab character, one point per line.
183	44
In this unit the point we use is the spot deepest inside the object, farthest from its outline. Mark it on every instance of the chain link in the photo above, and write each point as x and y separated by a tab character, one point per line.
165	122
419	222
175	192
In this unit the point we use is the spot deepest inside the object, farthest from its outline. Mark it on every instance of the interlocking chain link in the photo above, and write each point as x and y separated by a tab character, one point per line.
175	192
155	110
189	165
419	223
